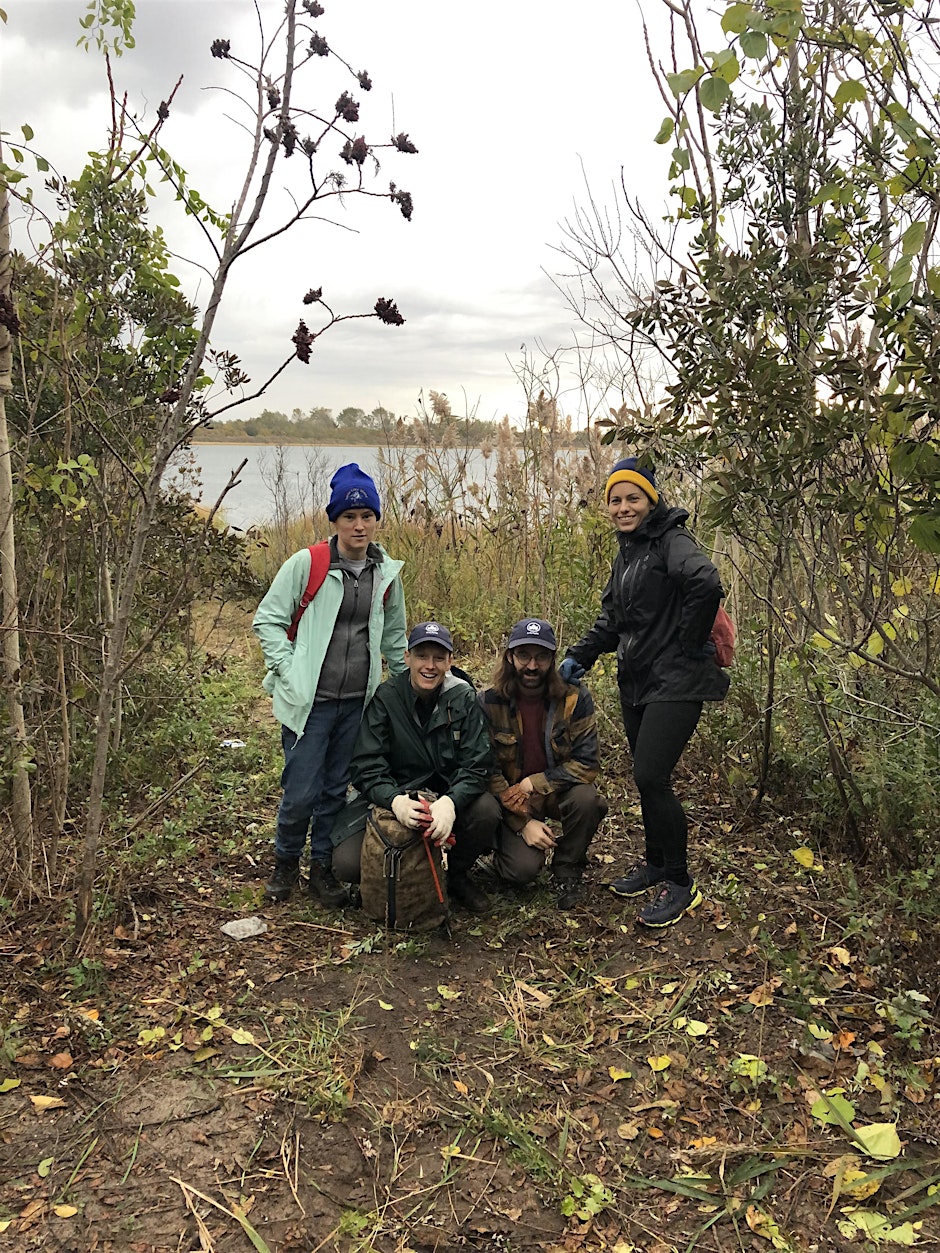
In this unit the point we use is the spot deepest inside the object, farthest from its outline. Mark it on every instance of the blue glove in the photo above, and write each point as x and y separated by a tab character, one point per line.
570	671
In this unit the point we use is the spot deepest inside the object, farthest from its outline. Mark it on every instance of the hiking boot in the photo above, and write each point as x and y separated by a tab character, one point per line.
672	901
569	891
461	888
324	886
636	881
284	879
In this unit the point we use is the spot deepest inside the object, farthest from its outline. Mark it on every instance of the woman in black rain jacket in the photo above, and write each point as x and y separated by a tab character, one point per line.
657	612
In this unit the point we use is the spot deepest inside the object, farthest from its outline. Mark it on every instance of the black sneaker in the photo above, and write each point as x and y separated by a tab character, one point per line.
672	901
636	881
324	886
284	879
569	892
461	888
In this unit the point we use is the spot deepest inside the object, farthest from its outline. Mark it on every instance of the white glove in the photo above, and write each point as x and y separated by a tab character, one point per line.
443	817
407	811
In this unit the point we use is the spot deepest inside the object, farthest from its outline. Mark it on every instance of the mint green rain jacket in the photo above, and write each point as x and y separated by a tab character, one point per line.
294	668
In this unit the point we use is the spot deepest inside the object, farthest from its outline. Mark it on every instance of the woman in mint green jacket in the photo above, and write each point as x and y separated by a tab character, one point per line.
321	680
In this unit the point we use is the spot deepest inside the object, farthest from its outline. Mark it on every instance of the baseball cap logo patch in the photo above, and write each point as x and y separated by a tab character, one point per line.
533	630
431	633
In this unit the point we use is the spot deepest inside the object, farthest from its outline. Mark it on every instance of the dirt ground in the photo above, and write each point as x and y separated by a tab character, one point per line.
762	1076
328	1086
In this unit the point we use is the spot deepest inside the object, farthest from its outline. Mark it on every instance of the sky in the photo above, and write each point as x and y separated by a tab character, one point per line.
517	109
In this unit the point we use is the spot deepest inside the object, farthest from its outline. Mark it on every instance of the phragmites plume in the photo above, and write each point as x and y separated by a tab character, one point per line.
318	45
387	311
354	151
163	110
313	8
220	48
365	82
347	108
440	405
314	295
302	339
403	143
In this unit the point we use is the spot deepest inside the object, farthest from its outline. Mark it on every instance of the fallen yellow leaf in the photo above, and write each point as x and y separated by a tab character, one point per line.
241	1036
659	1063
880	1139
461	1087
804	856
64	1211
617	1074
763	994
48	1102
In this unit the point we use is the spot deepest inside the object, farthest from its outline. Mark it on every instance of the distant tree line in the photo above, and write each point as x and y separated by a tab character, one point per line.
349	426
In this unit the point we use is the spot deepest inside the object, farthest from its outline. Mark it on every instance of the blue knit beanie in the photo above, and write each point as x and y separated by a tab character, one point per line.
352	489
627	471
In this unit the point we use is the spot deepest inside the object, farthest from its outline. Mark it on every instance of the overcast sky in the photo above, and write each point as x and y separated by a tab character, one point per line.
511	106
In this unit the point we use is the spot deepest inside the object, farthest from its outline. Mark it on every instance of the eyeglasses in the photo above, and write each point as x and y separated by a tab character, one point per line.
541	656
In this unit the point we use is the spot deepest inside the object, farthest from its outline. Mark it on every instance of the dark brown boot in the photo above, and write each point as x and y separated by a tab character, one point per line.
324	886
461	888
283	880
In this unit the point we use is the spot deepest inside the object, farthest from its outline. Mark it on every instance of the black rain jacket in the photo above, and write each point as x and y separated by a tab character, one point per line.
657	611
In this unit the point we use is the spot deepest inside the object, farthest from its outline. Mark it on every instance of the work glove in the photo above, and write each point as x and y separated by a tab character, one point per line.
409	813
570	671
515	800
443	817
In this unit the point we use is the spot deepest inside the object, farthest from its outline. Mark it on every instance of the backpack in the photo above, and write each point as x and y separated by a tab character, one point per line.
402	881
319	565
722	636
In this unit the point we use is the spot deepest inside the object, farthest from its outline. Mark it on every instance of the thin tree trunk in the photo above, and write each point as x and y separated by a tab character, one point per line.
174	425
10	620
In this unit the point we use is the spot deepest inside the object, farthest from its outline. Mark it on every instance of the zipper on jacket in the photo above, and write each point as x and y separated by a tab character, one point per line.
630	576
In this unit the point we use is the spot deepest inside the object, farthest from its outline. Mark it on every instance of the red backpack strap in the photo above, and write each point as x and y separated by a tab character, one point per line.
319	564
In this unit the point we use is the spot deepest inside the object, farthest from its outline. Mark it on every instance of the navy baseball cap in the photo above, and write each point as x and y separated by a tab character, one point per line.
430	633
533	631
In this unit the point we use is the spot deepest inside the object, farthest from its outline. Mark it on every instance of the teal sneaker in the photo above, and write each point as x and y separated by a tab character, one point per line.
671	903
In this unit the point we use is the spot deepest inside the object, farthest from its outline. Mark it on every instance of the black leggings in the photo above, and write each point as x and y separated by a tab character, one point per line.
657	734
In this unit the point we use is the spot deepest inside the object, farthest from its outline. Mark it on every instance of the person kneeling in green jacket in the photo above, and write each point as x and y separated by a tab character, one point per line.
421	730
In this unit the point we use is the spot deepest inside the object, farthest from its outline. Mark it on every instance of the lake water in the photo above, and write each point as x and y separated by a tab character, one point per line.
304	475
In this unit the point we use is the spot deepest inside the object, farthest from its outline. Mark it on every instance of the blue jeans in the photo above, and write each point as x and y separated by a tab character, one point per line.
315	778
